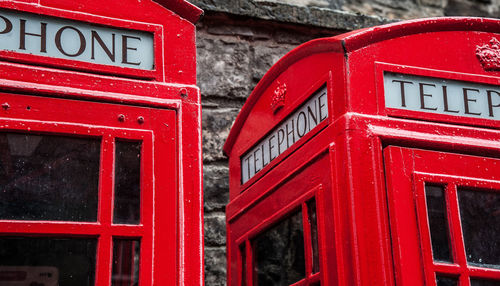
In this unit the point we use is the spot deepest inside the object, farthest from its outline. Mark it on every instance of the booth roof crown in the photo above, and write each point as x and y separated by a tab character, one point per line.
489	55
278	100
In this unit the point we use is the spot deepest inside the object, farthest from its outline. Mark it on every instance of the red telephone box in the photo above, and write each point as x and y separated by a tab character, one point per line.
371	158
100	144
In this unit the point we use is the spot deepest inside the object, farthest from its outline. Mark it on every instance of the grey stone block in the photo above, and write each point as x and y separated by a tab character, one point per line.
215	187
216	125
221	68
215	266
215	229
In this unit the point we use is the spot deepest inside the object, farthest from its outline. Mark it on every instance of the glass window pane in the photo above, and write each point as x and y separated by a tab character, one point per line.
481	282
313	222
126	254
446	281
243	255
438	223
47	177
480	217
279	253
127	182
48	261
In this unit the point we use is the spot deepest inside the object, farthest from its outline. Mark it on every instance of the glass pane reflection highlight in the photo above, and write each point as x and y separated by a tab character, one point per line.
279	253
480	218
126	254
48	261
47	177
438	222
127	182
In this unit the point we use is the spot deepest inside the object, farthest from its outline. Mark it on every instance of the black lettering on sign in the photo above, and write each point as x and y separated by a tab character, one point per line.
285	134
126	48
442	95
42	35
490	102
467	100
8	25
96	37
402	86
53	37
302	122
423	95
445	101
83	42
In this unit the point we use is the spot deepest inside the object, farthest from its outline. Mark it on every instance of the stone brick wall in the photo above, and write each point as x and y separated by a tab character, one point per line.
239	40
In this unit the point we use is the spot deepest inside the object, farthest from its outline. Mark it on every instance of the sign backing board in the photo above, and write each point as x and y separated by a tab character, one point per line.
75	40
442	96
294	127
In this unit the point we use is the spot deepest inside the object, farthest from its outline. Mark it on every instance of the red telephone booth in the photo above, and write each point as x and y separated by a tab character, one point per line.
100	161
371	158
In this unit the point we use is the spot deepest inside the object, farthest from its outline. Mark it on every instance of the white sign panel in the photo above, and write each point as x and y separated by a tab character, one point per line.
73	40
442	96
296	126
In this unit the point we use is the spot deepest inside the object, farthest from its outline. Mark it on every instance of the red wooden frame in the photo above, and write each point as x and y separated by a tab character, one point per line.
406	186
161	107
373	238
103	228
300	204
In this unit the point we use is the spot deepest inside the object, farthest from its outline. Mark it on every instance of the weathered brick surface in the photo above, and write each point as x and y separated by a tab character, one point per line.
238	41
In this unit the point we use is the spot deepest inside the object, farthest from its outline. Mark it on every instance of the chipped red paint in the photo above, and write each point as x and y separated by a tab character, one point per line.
361	164
161	107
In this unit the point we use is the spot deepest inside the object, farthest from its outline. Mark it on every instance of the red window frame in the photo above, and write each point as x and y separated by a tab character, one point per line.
75	123
459	267
407	173
246	276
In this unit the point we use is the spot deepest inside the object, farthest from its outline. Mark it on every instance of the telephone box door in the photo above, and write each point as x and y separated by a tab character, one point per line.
77	192
445	217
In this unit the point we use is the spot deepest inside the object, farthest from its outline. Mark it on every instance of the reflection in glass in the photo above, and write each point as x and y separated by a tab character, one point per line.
279	253
46	177
481	282
243	255
446	281
480	217
313	221
438	223
127	183
64	261
126	254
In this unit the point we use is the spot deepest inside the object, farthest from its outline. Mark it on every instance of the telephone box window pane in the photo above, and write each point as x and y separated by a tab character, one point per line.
438	223
446	281
313	221
126	254
243	254
127	182
53	261
480	217
279	253
481	282
47	177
